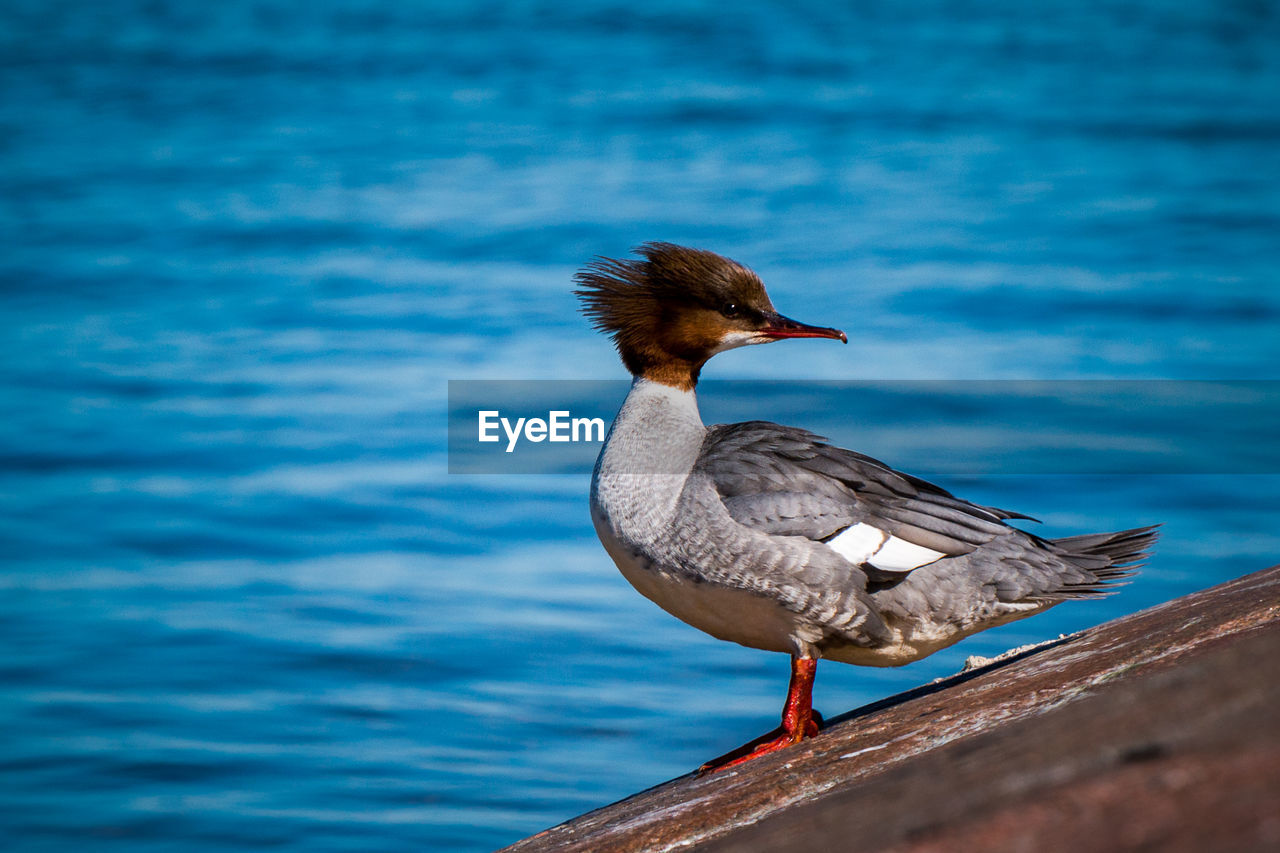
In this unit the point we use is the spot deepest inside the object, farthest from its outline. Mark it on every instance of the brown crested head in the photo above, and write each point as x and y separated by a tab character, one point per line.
675	307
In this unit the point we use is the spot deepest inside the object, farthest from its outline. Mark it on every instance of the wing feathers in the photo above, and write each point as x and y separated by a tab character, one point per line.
788	481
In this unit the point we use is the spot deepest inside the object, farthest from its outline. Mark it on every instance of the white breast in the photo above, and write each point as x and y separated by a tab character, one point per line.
652	447
650	450
723	612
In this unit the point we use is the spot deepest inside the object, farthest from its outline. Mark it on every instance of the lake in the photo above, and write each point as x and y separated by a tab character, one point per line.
246	247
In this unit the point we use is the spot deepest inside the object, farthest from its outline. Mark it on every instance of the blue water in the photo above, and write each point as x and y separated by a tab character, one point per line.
245	245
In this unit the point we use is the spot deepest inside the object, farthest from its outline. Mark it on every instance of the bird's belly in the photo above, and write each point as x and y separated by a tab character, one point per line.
724	612
913	641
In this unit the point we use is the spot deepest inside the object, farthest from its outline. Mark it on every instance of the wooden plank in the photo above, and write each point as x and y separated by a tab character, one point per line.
1154	731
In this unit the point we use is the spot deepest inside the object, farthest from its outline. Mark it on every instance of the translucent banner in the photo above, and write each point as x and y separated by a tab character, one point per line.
977	427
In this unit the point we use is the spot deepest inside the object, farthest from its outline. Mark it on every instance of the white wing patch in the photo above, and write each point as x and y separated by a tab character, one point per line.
858	542
863	543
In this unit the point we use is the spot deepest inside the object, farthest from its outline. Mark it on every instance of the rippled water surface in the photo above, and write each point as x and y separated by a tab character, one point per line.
245	245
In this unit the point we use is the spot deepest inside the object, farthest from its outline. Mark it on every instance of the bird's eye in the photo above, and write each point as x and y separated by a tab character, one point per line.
730	309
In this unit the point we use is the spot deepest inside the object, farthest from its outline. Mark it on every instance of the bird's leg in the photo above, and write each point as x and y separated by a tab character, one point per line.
799	720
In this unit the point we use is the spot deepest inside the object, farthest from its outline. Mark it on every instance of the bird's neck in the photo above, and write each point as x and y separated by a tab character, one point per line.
662	368
676	374
652	447
659	430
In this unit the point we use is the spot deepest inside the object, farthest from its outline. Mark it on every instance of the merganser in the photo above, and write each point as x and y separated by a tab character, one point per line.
770	537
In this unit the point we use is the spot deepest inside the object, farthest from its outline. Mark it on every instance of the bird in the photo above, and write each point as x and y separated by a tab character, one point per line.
771	537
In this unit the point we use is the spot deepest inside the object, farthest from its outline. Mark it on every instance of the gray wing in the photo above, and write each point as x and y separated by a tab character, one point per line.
787	481
930	557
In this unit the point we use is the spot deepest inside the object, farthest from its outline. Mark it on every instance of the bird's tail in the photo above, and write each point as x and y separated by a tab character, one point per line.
1106	557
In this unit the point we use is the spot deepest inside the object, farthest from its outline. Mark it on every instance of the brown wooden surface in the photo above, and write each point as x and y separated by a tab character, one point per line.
1158	731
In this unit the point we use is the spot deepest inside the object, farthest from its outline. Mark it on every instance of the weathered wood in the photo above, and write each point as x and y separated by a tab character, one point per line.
1160	730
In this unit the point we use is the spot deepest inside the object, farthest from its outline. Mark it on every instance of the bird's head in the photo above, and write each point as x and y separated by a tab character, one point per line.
675	307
